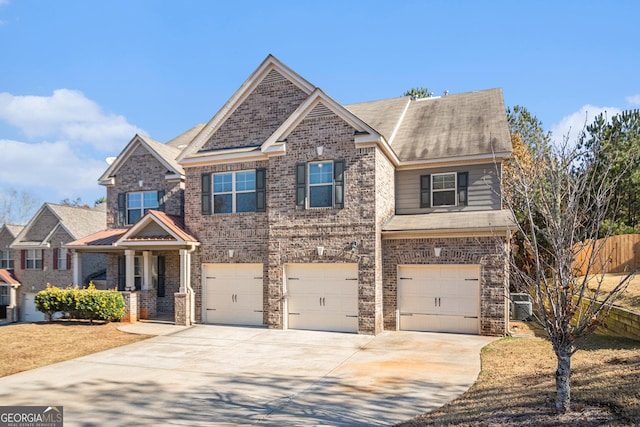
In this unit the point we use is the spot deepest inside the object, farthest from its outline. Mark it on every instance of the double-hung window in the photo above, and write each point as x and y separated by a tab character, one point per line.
33	259
6	260
4	295
139	203
61	259
320	184
132	206
234	192
444	189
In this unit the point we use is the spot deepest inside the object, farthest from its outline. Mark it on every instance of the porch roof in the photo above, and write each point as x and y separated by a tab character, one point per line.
102	240
443	223
7	278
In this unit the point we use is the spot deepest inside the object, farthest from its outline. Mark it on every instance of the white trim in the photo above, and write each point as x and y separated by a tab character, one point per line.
140	225
454	189
445	233
453	161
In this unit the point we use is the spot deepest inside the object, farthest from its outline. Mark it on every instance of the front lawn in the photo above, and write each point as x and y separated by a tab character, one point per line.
31	345
516	386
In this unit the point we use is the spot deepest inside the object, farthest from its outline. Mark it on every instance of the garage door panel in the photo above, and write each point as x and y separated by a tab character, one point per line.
442	298
322	297
233	294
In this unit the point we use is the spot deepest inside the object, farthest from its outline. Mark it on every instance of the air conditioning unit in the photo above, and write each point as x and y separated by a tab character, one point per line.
520	306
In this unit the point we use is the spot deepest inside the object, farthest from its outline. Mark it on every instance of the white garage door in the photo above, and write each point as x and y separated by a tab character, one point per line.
322	297
233	293
29	311
444	298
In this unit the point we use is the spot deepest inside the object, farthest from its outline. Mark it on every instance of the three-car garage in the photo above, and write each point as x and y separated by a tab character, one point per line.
324	296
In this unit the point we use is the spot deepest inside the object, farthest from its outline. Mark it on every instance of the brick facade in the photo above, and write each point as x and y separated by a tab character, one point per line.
488	252
143	166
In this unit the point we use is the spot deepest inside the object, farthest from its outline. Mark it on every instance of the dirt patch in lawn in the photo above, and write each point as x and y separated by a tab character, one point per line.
31	345
516	386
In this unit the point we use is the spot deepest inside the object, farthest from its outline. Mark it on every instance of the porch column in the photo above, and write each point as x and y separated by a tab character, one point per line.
129	261
185	265
146	270
13	303
77	279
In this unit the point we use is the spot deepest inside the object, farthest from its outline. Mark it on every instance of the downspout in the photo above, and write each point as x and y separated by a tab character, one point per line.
192	315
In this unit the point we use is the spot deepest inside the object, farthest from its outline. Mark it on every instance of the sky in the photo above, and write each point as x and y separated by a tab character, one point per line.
78	79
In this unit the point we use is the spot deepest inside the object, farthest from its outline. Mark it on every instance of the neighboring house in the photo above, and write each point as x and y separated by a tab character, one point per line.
40	257
300	212
8	282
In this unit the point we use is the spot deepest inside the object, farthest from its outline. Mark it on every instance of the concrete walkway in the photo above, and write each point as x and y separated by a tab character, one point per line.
220	375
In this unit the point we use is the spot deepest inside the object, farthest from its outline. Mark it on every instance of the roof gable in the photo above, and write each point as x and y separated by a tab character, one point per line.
270	72
75	221
7	278
157	228
165	154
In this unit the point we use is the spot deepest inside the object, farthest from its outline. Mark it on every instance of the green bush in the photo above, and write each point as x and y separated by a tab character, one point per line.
88	304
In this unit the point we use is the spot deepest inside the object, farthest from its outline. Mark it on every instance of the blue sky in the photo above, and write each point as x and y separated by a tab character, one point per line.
79	78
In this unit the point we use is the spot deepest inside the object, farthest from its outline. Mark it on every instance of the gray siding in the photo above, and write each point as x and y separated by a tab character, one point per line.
483	191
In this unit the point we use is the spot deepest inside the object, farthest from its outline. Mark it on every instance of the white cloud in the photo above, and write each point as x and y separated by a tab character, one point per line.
572	125
51	169
67	115
633	100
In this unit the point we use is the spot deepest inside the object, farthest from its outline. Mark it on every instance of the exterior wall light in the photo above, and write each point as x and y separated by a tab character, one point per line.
437	251
231	252
320	150
320	250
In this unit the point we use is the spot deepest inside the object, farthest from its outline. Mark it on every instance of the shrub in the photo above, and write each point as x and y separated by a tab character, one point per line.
88	304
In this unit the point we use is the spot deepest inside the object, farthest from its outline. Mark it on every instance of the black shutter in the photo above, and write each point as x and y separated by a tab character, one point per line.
161	200
41	259
122	208
425	191
463	185
205	180
69	260
161	276
301	185
23	259
122	268
261	190
338	184
55	258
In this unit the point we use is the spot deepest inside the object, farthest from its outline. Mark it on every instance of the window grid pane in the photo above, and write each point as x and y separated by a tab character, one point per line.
234	192
320	173
443	188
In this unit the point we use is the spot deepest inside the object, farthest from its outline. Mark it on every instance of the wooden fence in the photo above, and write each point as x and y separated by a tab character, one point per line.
618	254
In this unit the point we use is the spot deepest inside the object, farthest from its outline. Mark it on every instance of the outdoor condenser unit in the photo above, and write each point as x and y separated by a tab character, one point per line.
520	306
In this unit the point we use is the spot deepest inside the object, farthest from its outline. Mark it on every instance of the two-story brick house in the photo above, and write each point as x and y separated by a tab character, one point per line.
9	284
40	255
300	212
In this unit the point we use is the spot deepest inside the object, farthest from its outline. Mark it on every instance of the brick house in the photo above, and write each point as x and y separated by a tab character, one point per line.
296	211
9	284
40	256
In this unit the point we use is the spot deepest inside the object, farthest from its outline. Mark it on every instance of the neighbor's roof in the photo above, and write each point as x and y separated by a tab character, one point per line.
13	229
79	222
451	222
7	277
461	125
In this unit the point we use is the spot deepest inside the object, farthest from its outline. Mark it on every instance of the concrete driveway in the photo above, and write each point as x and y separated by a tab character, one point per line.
219	375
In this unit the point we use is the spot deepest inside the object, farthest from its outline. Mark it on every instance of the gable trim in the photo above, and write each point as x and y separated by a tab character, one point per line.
269	64
147	219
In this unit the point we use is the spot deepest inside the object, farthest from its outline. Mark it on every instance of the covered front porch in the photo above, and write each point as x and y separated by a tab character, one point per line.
149	263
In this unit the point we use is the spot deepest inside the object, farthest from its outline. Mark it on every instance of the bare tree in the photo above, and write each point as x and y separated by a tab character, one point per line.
561	203
17	207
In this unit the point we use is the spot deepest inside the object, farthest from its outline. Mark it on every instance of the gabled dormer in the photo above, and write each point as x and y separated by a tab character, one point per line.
8	233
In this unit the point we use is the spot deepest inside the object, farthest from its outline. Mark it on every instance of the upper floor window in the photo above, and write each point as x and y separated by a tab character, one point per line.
33	259
444	189
234	192
132	206
6	260
320	184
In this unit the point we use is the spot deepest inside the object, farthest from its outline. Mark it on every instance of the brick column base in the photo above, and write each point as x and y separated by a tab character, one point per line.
182	309
148	303
130	307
